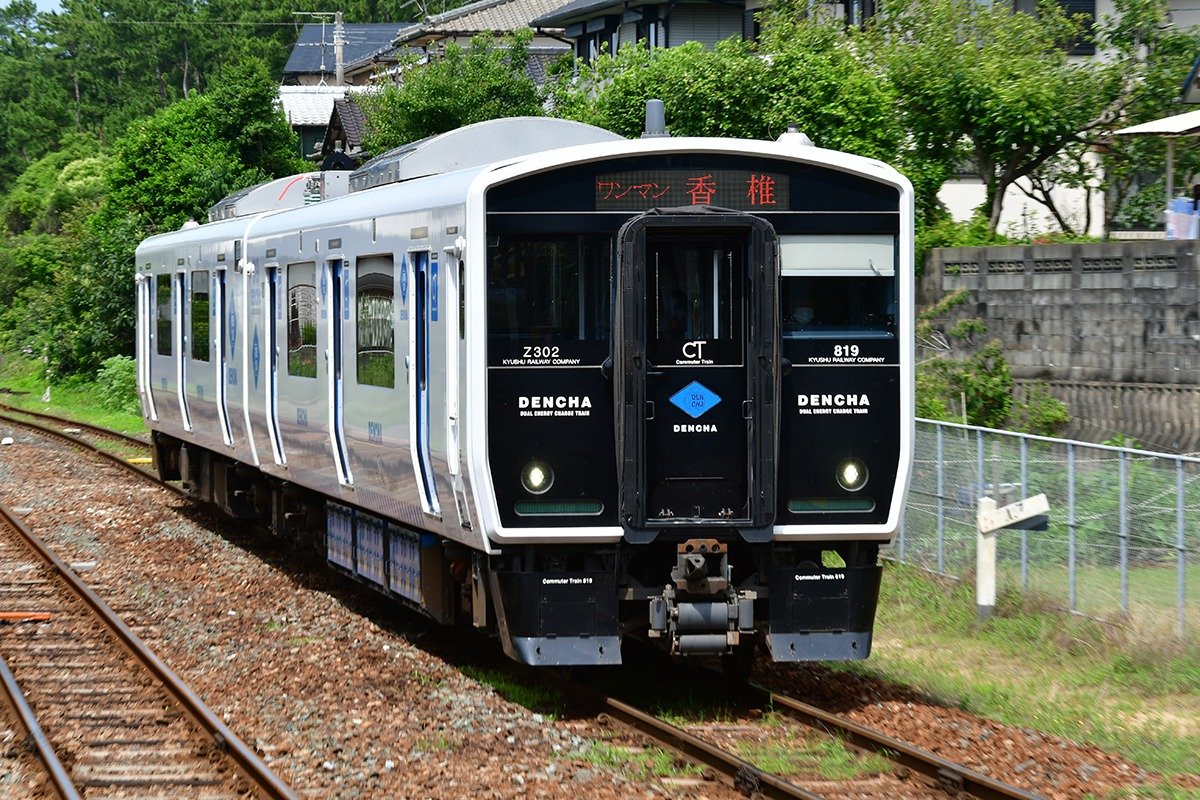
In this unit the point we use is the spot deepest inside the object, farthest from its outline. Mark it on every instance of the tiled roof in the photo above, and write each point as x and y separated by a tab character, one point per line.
315	45
501	16
354	123
311	105
562	14
540	58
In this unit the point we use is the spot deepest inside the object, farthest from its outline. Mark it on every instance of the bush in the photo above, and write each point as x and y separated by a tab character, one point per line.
116	385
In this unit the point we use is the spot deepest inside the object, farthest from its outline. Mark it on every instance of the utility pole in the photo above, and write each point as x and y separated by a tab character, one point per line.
339	45
339	42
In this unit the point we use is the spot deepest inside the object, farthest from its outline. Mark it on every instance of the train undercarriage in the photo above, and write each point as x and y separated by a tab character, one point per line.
695	593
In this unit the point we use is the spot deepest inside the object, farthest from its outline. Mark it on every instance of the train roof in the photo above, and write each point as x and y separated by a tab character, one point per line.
426	181
474	146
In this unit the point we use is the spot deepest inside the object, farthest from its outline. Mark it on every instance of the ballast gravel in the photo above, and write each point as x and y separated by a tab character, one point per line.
347	696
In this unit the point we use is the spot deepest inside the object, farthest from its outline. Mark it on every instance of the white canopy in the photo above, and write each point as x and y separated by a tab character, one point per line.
1178	125
1170	128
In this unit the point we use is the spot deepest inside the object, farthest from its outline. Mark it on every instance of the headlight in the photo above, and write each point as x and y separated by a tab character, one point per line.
537	477
852	474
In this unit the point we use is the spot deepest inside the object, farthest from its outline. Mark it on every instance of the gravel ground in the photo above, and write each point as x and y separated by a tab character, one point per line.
349	697
294	658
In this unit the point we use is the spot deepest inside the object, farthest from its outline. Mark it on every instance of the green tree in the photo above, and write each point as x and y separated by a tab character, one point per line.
167	169
33	108
805	71
54	185
705	92
988	84
818	76
1152	56
485	80
173	166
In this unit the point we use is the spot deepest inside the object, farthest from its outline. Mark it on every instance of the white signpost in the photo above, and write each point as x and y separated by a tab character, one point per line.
1028	514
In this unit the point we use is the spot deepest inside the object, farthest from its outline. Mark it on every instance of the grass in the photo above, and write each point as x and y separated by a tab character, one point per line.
827	758
1113	685
640	764
1152	591
73	399
546	701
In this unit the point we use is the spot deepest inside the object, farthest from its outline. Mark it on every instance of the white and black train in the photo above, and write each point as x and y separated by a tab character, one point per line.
560	384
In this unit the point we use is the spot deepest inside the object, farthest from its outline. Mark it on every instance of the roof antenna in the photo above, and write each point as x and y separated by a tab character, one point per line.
794	136
656	120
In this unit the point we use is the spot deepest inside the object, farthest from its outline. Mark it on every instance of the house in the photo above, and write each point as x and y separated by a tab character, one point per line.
343	144
499	17
308	110
313	61
595	26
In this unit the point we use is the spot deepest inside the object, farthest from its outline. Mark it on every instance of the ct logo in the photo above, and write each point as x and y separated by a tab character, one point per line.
694	350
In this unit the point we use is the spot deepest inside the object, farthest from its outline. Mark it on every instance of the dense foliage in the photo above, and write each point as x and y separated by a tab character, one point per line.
124	117
69	294
485	80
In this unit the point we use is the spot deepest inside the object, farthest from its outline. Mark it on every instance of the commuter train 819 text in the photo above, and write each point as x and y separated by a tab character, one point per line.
560	384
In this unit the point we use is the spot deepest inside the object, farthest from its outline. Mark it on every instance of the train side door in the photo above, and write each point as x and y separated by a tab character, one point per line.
224	343
179	302
339	311
422	313
695	366
145	327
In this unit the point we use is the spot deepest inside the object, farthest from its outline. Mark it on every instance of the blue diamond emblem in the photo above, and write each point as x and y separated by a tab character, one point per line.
695	399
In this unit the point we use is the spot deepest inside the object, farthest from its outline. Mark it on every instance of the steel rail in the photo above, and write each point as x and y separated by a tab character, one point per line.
59	779
98	450
254	768
737	772
952	777
133	441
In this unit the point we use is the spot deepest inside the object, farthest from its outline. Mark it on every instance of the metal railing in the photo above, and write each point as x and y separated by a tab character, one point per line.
1124	531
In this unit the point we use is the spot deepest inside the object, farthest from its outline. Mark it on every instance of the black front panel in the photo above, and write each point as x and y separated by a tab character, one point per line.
840	401
561	418
549	320
555	358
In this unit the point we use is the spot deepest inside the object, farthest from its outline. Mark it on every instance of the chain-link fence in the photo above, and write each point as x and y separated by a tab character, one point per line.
1124	532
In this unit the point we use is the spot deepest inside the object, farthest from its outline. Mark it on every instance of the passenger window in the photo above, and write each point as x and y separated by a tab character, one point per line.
549	287
835	306
302	319
200	315
163	314
697	286
376	339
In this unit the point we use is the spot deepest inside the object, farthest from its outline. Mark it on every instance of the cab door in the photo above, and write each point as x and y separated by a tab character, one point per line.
696	362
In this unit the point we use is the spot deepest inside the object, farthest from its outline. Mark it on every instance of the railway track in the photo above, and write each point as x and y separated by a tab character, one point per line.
914	772
936	776
121	448
106	717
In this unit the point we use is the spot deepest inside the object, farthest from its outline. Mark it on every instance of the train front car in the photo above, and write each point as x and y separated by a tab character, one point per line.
689	395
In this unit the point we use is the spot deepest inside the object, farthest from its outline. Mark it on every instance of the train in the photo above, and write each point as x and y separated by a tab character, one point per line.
561	385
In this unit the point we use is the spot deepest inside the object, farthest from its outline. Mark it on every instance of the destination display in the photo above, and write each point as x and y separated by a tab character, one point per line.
744	190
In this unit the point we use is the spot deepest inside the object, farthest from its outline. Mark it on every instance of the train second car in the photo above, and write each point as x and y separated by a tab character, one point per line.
556	383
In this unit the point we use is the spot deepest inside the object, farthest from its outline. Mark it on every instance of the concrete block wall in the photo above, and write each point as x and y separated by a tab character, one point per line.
1086	318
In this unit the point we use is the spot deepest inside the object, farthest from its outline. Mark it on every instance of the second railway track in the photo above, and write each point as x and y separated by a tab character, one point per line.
121	723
